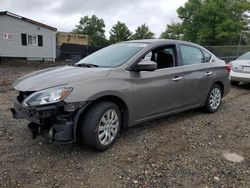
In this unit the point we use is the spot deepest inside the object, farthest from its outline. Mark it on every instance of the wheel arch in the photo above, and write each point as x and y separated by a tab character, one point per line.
110	98
219	83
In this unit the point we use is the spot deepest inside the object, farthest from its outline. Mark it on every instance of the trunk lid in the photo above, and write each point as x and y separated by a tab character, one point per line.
241	66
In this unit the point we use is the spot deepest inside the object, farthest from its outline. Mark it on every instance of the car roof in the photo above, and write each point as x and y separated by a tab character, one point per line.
154	41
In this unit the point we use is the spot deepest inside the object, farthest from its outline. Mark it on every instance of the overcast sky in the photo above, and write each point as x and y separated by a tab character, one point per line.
65	14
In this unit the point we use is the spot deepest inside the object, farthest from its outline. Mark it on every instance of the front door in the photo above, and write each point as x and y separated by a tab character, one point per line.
160	91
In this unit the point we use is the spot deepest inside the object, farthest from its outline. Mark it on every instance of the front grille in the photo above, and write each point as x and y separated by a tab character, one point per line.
23	95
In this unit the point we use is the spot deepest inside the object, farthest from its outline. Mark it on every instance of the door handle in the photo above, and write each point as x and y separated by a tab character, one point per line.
177	78
208	73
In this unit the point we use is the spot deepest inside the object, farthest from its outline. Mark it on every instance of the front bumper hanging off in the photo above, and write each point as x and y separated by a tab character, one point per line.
52	121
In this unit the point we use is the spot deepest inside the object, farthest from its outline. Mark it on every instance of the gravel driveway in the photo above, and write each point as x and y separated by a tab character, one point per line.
184	150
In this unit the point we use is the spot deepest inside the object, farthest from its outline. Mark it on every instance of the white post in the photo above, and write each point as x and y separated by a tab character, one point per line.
54	47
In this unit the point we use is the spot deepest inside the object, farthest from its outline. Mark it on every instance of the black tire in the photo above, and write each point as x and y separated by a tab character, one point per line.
235	83
208	106
89	128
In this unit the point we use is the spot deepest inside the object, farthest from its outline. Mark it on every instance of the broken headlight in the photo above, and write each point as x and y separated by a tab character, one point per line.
47	96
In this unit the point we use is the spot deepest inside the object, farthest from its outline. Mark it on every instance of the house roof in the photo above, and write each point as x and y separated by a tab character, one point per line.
27	20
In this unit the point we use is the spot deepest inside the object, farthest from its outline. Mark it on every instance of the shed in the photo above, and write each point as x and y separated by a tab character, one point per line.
22	37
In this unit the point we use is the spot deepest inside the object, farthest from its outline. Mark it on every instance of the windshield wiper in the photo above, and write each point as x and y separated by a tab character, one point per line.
86	65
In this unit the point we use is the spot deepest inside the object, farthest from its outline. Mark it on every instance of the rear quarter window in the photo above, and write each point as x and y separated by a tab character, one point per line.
207	56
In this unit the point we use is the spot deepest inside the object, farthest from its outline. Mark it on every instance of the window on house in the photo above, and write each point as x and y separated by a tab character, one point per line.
32	40
24	39
40	40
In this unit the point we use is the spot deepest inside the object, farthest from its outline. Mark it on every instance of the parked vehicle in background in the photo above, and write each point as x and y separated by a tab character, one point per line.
120	86
240	69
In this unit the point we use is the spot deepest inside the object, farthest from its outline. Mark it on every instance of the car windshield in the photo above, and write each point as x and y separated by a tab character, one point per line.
112	56
245	56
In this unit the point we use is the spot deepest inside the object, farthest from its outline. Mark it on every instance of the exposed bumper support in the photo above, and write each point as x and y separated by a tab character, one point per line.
61	133
52	122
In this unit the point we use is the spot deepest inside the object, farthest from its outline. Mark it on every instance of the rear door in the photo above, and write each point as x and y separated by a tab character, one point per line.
198	74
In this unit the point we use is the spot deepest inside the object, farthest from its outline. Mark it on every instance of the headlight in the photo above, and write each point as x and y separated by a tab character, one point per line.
47	96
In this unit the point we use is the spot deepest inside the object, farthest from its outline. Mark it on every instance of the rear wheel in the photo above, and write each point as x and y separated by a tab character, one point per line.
101	125
214	99
235	83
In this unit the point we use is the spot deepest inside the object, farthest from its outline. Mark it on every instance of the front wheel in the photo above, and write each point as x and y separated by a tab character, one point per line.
214	99
101	125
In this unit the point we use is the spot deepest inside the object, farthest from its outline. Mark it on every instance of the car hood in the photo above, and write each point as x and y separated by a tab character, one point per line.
58	76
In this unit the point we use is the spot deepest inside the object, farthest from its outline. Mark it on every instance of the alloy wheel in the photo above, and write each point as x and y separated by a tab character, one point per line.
215	98
108	127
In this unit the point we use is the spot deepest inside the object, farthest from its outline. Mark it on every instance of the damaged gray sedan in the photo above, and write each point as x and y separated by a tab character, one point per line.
120	86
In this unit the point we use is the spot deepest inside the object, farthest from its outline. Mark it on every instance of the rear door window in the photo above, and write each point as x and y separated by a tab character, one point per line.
191	55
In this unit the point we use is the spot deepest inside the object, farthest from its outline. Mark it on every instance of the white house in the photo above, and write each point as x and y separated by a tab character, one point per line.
25	38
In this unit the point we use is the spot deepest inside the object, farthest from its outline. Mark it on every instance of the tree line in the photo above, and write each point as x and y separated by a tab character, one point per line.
94	27
206	22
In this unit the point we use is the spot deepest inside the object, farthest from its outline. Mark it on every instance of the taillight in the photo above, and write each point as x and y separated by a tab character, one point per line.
228	67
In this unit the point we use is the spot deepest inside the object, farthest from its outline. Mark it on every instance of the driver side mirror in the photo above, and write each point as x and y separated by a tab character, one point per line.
145	65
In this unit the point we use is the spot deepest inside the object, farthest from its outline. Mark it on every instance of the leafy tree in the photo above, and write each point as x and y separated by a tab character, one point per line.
173	31
119	32
213	22
94	28
189	16
143	32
